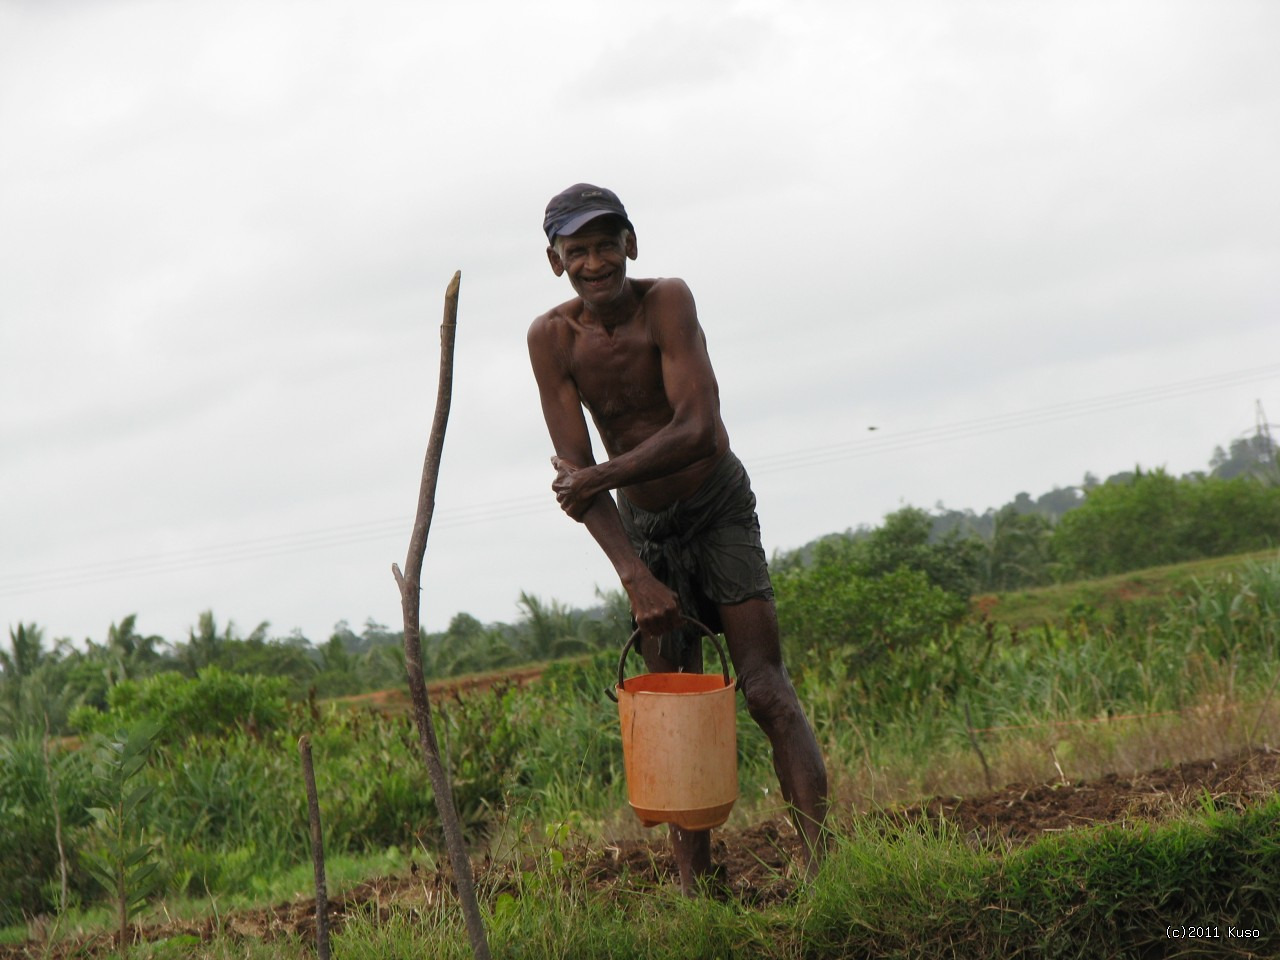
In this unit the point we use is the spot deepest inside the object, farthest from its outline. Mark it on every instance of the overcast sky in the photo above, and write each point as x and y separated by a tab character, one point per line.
1022	240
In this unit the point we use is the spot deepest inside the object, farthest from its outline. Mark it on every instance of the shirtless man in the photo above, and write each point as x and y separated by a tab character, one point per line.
683	535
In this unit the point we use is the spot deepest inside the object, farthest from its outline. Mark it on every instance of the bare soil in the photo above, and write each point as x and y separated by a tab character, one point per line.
395	701
760	861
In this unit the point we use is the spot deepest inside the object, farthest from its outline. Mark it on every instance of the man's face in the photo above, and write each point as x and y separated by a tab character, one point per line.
595	258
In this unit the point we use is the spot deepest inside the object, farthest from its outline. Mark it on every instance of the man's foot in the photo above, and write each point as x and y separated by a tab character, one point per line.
713	884
814	838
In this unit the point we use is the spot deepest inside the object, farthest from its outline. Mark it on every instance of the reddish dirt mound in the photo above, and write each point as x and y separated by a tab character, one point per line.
758	863
395	701
1022	812
760	860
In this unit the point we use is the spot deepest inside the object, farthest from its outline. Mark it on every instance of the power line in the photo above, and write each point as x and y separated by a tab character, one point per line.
328	538
925	436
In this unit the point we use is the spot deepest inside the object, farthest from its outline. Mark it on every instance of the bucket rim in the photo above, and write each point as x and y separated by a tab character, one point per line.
631	642
727	684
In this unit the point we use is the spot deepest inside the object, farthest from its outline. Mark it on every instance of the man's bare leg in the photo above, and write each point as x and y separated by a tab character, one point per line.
751	629
691	848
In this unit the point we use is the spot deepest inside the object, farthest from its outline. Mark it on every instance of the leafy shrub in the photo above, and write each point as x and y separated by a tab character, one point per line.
230	806
1238	610
119	848
214	702
905	541
829	608
1155	519
28	836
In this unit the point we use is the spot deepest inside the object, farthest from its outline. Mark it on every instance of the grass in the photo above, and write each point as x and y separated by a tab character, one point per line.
1025	609
342	872
919	891
1074	749
888	891
1121	681
1194	678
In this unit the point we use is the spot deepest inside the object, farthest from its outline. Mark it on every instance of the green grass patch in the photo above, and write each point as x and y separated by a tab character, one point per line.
1147	589
1207	885
899	693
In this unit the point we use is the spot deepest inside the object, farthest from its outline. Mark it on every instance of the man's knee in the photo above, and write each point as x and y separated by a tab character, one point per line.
769	694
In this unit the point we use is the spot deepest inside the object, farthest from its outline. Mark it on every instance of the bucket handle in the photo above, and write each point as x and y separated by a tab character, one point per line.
631	641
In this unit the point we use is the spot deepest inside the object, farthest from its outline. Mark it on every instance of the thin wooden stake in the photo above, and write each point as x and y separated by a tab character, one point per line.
973	741
1263	709
57	819
317	849
410	601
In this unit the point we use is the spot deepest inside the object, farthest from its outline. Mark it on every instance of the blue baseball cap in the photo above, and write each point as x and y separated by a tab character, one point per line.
573	208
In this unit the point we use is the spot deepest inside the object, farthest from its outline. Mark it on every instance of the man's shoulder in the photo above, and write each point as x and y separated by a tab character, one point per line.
668	306
663	288
662	298
559	317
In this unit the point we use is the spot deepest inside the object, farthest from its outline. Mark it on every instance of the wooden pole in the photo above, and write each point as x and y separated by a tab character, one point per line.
57	819
973	740
410	601
317	849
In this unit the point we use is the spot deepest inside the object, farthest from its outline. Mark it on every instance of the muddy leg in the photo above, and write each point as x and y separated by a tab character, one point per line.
751	629
692	849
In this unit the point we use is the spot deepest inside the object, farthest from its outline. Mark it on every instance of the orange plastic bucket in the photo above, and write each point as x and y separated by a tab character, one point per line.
679	744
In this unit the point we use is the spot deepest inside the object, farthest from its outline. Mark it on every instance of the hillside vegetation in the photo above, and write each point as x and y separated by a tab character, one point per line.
138	777
1134	521
901	680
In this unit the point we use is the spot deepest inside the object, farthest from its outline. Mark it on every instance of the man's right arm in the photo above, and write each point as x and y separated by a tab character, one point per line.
655	607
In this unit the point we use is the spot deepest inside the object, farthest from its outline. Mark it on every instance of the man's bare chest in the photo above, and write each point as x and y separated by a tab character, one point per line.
618	375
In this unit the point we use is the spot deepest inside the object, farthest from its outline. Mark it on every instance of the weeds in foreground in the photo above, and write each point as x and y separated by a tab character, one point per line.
1061	701
1207	885
918	891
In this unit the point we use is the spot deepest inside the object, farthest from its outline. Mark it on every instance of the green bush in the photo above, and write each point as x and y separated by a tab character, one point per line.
1155	519
882	665
29	867
119	848
214	702
230	807
831	611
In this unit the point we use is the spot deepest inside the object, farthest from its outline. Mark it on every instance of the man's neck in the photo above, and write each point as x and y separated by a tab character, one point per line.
616	312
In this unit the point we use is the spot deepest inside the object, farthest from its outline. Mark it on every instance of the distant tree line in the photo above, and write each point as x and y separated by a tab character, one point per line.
880	609
42	684
1132	520
1139	518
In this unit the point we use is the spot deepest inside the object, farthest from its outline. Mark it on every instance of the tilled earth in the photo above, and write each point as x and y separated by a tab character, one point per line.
760	860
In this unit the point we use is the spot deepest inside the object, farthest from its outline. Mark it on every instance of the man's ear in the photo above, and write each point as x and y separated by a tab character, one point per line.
631	249
557	265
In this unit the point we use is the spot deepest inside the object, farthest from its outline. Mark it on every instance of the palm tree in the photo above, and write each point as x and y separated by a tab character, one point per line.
551	631
382	666
202	643
129	653
26	650
19	664
610	624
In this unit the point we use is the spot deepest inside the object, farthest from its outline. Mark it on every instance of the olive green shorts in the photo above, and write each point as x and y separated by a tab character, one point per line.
707	547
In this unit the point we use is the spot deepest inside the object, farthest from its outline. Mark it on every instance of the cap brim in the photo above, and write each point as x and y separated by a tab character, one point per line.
580	220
